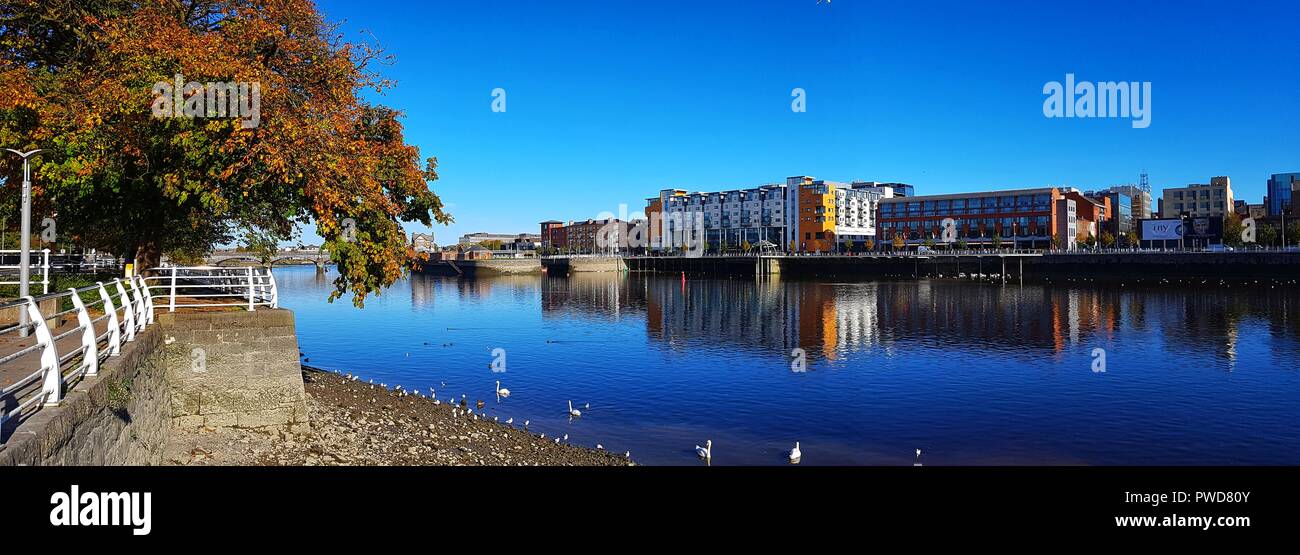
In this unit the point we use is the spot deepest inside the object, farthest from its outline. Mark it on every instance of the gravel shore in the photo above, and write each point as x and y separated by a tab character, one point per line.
357	424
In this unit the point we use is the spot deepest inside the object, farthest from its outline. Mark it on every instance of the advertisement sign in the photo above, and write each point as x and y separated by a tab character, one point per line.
1162	230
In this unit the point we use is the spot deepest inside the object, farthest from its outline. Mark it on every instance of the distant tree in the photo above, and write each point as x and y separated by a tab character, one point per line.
997	240
491	244
869	245
1293	234
961	244
746	247
928	242
1266	235
849	245
262	243
794	246
899	242
1107	240
1232	230
1131	239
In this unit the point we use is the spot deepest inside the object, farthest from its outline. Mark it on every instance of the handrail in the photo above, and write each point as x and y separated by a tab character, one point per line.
128	308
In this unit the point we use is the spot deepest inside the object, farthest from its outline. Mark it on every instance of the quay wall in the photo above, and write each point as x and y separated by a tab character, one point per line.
216	370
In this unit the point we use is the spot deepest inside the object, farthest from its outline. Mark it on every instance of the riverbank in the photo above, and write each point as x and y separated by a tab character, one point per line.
357	424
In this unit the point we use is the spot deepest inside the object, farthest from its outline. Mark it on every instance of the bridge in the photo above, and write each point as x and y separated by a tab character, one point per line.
282	258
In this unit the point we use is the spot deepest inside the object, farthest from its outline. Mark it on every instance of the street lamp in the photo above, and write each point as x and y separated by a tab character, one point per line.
1285	211
24	263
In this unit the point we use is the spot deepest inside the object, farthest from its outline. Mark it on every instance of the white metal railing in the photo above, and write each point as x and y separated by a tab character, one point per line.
124	314
43	265
125	307
214	286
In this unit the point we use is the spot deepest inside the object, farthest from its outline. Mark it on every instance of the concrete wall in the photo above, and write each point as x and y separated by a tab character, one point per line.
234	369
488	267
245	375
120	417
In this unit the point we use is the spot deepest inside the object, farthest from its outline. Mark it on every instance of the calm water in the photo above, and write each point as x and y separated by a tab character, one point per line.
970	373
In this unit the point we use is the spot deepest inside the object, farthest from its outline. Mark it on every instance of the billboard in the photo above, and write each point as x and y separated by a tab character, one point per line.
1204	229
1162	230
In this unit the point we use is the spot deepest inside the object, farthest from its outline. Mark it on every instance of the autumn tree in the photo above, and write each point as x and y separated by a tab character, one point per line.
82	80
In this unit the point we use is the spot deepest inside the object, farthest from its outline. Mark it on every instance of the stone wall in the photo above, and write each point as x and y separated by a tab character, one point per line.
234	370
120	417
245	373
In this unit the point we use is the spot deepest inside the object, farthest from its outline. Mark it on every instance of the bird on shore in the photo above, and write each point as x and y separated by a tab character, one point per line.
543	436
573	411
496	418
705	452
501	391
510	420
795	454
526	424
566	437
628	455
479	404
599	446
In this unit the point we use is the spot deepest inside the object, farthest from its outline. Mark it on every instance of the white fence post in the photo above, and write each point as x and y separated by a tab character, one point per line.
127	312
114	331
45	272
89	345
250	290
171	302
275	290
146	300
52	382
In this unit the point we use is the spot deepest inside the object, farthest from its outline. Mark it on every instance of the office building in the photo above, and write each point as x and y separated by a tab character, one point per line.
1280	186
1208	200
1022	217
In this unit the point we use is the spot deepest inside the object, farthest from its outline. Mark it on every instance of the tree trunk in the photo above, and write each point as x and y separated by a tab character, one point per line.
147	257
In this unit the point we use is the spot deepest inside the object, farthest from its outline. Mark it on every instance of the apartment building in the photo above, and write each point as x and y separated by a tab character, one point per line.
1199	200
802	214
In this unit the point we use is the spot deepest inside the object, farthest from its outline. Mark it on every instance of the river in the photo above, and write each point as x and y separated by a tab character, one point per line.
860	373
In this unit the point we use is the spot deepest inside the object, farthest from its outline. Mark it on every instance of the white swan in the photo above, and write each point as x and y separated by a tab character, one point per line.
501	391
795	454
573	411
705	452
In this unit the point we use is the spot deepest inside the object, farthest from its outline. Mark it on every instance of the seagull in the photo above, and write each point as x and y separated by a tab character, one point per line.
587	406
573	411
526	423
496	418
795	454
599	446
566	437
705	452
510	420
627	454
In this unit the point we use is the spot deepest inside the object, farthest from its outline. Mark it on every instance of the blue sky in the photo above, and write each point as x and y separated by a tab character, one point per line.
608	102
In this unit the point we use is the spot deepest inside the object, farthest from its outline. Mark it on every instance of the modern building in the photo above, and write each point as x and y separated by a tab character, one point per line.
1022	217
1120	204
552	234
803	214
1141	206
1280	186
1208	200
723	219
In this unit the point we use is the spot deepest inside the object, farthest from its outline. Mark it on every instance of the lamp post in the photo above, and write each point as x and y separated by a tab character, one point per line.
1285	211
24	263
